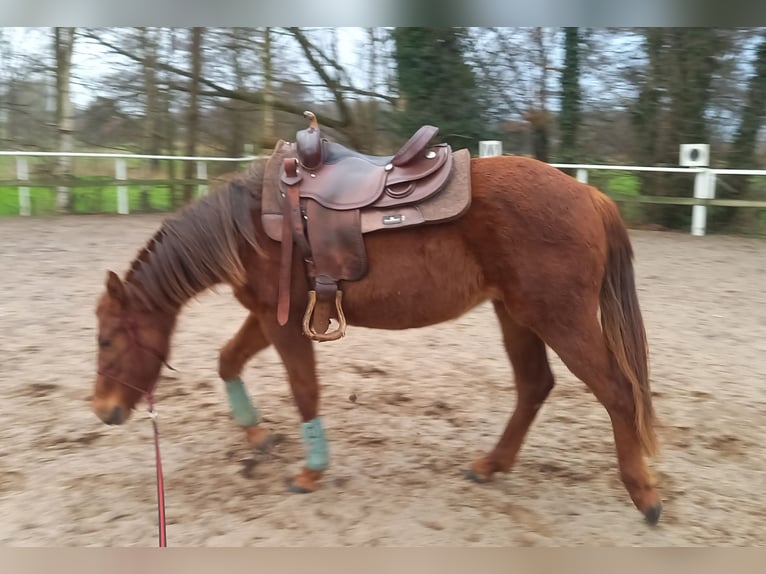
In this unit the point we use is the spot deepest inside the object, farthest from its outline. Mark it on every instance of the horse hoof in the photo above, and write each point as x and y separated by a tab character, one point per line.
269	442
652	514
296	488
474	476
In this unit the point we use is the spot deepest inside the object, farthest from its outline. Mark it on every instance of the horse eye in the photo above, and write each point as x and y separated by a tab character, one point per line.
104	343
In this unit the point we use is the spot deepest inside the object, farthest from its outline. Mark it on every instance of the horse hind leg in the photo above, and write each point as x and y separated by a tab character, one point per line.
582	348
533	379
232	359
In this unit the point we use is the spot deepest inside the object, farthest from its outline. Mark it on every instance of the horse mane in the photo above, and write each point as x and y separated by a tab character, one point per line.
199	246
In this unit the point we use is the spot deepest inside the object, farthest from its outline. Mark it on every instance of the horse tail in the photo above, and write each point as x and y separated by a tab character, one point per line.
621	320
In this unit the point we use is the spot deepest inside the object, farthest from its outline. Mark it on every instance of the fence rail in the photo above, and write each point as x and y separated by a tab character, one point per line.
703	191
120	180
121	156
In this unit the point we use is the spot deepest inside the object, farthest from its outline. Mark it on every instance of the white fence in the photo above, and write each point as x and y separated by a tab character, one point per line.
704	188
703	196
120	171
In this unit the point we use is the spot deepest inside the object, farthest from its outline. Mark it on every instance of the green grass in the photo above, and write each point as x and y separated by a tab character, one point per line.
95	199
83	200
613	182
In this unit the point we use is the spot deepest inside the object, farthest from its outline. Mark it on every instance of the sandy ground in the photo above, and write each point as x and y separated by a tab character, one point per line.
398	452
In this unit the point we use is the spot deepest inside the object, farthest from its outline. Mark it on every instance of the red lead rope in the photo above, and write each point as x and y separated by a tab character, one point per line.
160	481
149	394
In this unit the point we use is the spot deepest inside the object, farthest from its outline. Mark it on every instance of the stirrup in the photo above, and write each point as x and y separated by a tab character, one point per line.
309	331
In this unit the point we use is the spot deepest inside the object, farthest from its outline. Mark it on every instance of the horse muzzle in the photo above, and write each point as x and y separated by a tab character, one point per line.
116	416
112	414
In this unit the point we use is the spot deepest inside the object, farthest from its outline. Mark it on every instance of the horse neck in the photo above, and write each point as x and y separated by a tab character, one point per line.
162	319
191	253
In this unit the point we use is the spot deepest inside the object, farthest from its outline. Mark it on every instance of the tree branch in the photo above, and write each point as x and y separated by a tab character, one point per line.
331	83
221	91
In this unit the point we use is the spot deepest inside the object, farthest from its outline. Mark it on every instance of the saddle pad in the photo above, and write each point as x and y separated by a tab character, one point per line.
447	205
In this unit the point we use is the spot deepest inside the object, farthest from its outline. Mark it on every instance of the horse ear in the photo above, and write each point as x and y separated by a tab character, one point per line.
114	286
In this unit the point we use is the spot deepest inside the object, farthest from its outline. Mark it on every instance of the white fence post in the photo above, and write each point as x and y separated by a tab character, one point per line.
201	174
704	188
22	174
121	173
582	175
489	148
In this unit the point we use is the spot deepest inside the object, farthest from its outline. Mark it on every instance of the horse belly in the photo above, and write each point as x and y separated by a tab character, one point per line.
416	277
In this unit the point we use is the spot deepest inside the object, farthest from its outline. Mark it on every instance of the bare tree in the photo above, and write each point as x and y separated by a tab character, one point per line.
192	112
267	133
519	72
372	81
569	117
212	88
64	46
151	131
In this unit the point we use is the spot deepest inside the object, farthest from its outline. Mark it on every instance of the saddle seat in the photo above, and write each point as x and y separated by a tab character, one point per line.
342	178
322	197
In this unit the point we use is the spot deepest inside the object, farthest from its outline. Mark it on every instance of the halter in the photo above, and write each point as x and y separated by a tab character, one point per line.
129	326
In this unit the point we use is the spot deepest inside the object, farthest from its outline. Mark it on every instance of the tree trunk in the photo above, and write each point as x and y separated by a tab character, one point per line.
150	143
167	123
539	122
437	85
64	45
372	118
742	152
569	120
538	116
236	119
267	139
192	114
671	110
694	63
646	114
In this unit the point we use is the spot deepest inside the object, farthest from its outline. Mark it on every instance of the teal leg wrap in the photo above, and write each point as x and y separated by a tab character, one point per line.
313	436
241	408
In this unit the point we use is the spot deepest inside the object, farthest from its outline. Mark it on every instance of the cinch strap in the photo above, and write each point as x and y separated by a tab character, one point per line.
243	410
313	436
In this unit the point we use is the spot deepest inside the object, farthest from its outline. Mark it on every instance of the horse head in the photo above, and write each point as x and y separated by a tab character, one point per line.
133	344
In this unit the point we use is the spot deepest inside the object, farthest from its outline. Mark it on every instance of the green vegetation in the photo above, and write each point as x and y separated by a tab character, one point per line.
437	86
86	200
97	192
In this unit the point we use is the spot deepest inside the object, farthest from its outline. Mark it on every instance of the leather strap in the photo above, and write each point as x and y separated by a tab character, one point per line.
339	254
285	268
416	144
292	230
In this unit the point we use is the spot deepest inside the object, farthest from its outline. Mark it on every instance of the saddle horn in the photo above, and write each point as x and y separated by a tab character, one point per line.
308	143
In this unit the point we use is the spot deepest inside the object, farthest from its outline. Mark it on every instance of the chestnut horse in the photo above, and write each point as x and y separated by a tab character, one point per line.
549	252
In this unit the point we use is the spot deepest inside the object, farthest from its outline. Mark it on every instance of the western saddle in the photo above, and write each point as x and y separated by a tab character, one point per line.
322	197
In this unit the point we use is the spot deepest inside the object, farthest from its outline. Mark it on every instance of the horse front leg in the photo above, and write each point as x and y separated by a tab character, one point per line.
232	359
297	354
